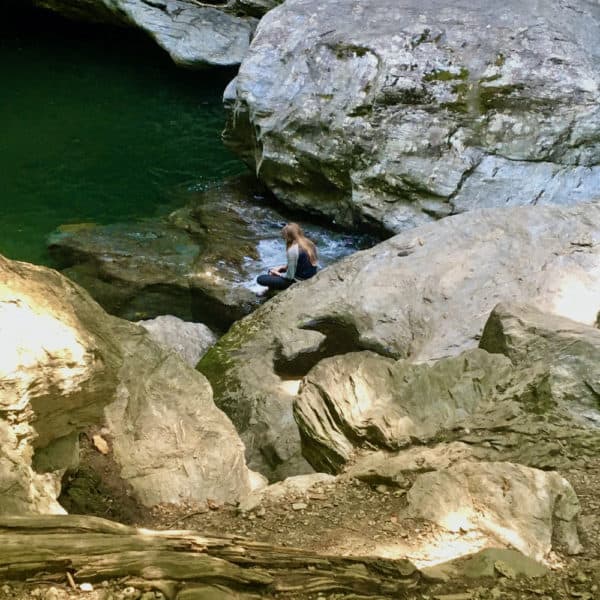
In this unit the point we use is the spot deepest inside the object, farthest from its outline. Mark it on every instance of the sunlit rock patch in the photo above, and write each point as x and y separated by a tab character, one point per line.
66	366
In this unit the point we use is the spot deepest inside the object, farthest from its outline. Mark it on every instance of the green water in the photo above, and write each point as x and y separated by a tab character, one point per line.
97	125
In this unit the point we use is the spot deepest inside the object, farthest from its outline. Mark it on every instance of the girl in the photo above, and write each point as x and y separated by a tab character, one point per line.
301	260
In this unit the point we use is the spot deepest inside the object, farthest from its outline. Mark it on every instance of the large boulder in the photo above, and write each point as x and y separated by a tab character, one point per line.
547	395
171	442
397	112
567	352
507	504
362	399
422	295
194	34
66	365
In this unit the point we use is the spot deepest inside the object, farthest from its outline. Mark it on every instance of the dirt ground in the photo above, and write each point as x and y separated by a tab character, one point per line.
343	517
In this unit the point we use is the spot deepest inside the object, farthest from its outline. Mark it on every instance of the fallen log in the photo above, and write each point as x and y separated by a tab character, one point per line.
180	563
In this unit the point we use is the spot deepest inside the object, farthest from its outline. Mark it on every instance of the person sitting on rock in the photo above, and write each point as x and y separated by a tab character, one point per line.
301	260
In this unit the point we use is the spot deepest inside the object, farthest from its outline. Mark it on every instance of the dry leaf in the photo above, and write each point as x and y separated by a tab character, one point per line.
101	444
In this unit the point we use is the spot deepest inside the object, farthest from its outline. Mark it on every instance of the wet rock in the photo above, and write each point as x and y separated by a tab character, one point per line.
195	35
395	114
134	271
507	503
199	264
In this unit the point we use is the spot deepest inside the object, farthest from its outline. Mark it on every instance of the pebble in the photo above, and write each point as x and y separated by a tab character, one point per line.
131	593
299	506
504	569
86	587
53	593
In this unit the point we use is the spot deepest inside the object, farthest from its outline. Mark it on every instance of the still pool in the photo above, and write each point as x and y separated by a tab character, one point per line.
97	125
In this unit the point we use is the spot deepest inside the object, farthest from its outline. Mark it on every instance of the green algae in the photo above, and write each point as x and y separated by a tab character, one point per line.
219	366
345	51
446	75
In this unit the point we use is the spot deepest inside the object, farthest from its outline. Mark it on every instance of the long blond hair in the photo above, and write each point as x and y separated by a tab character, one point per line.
292	234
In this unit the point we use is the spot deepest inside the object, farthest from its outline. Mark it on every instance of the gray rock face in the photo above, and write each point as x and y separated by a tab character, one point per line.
567	352
394	113
66	365
171	442
542	405
188	340
509	504
363	399
194	35
422	295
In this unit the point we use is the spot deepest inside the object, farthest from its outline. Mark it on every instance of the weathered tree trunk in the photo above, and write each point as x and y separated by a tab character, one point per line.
180	563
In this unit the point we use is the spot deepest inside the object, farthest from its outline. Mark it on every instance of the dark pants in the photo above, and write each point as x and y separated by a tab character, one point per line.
274	282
